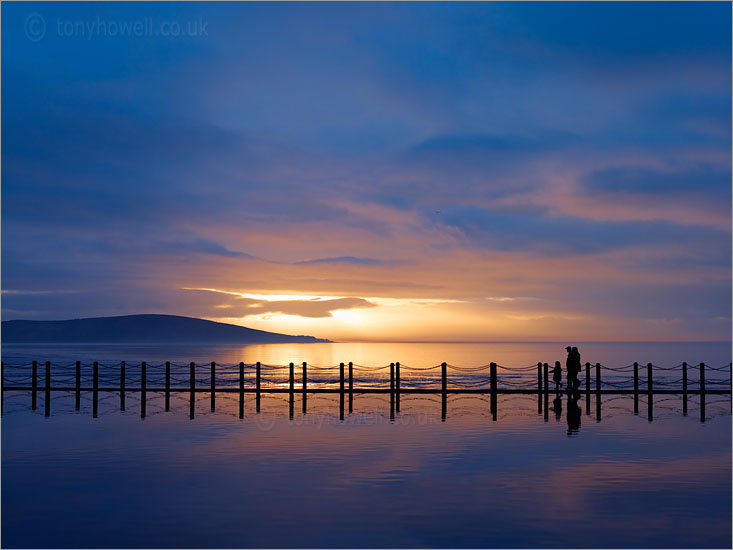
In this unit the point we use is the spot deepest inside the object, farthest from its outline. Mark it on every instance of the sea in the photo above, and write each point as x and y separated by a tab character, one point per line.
537	471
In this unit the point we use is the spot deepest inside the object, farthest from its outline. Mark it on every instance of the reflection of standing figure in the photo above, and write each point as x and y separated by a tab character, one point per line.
574	413
557	407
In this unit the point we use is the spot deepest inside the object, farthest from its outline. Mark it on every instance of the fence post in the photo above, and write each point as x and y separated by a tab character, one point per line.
213	386
539	377
257	387
684	389
77	403
546	390
122	386
241	389
702	392
34	384
702	377
351	387
598	392
546	378
397	385
167	385
391	391
539	388
192	397
291	396
494	400
95	386
305	387
444	383
444	377
341	391
47	399
291	387
587	388
650	395
143	388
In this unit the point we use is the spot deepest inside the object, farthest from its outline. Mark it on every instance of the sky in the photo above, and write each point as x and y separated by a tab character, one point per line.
372	171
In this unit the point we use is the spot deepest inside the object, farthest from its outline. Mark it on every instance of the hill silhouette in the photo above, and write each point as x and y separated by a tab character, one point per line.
149	328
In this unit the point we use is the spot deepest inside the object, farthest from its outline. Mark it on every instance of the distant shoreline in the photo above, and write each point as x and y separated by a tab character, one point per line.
141	329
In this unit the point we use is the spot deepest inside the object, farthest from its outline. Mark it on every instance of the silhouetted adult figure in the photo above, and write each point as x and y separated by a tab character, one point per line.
569	368
572	363
574	413
577	366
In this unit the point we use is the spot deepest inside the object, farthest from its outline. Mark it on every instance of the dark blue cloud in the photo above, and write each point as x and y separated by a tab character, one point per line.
198	246
708	111
492	144
348	260
711	183
627	30
563	236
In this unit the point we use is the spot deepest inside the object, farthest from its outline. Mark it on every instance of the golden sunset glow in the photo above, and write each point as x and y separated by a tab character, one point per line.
374	190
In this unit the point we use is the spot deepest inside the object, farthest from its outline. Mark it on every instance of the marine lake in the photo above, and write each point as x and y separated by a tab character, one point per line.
415	480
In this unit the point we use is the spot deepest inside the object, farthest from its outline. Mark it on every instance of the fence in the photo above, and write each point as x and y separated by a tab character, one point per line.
346	379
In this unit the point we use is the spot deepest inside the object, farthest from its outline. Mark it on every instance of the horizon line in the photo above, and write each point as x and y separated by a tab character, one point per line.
531	341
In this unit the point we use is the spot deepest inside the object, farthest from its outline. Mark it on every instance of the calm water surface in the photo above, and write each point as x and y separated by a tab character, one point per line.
314	481
414	354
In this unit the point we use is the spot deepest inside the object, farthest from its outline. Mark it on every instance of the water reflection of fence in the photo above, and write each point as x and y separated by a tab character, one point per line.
394	379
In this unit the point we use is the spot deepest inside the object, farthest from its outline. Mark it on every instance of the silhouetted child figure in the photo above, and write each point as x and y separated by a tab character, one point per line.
557	376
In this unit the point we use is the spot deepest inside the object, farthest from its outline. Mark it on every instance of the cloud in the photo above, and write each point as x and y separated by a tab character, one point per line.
226	304
198	246
499	144
304	308
349	260
568	235
706	182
